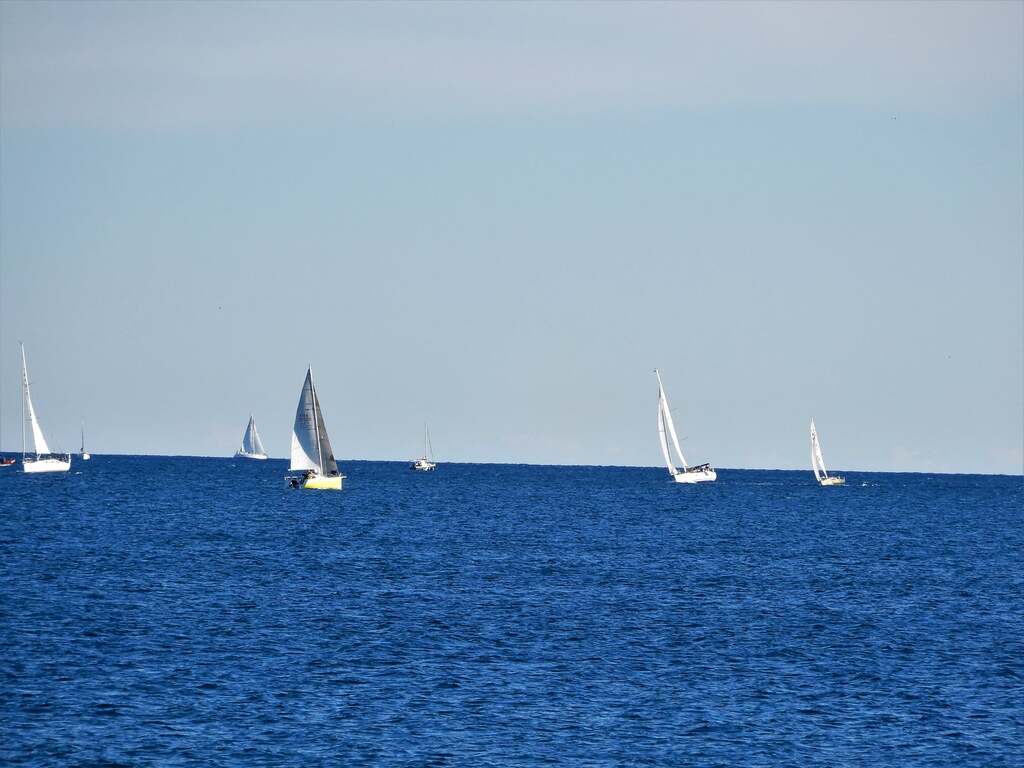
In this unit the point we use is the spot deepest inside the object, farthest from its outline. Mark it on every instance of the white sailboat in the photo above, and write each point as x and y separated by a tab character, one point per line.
818	463
311	448
425	463
44	460
85	456
702	473
252	446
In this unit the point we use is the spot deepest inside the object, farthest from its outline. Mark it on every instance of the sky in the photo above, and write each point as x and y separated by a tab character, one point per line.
499	218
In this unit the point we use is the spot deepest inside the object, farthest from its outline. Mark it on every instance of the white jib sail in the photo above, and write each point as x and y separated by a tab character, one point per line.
669	424
251	442
817	461
664	443
38	441
305	446
257	444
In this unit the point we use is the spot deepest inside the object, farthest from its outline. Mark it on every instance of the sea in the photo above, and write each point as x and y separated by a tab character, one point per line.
194	612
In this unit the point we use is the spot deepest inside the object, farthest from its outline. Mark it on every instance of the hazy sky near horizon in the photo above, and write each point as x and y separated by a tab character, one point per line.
500	217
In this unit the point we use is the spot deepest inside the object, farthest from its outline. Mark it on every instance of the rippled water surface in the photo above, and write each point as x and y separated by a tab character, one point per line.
158	611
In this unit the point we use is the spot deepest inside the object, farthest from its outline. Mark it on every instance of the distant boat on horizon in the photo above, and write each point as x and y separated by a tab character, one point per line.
703	473
85	456
252	446
818	463
425	463
44	460
311	448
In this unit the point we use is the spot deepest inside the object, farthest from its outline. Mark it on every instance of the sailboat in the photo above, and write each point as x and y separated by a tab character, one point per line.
44	460
818	463
85	456
426	462
252	446
701	473
311	448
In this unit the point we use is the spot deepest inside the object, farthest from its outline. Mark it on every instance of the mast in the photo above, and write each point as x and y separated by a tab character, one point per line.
316	424
24	387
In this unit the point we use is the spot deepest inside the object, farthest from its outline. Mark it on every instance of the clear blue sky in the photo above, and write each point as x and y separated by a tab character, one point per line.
499	218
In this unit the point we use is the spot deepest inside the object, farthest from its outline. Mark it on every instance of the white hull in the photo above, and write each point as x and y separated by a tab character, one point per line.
244	455
86	456
704	476
422	465
834	480
46	465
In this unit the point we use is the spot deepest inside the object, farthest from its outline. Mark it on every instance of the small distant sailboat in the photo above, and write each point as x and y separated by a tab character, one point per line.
818	463
85	456
426	463
311	448
252	446
702	473
44	460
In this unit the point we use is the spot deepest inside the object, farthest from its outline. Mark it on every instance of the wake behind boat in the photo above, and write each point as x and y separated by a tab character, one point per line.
252	446
818	463
44	460
311	448
702	473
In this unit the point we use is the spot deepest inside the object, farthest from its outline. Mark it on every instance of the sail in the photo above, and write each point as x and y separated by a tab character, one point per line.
667	416
257	444
305	443
38	441
664	443
251	442
817	462
328	466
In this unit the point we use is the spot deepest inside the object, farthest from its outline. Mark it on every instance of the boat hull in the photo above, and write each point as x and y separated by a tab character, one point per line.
421	465
257	456
316	482
86	456
827	481
33	466
704	476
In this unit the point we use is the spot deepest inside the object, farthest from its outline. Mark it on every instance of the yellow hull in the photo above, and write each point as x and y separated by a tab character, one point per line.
323	483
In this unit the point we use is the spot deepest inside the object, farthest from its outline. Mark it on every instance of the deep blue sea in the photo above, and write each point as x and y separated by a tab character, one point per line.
194	612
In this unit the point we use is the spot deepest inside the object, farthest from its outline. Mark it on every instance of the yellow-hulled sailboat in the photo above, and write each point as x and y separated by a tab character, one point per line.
311	448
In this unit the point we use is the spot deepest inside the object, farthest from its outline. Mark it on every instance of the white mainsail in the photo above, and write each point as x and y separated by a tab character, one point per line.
311	448
251	442
38	441
665	424
817	461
